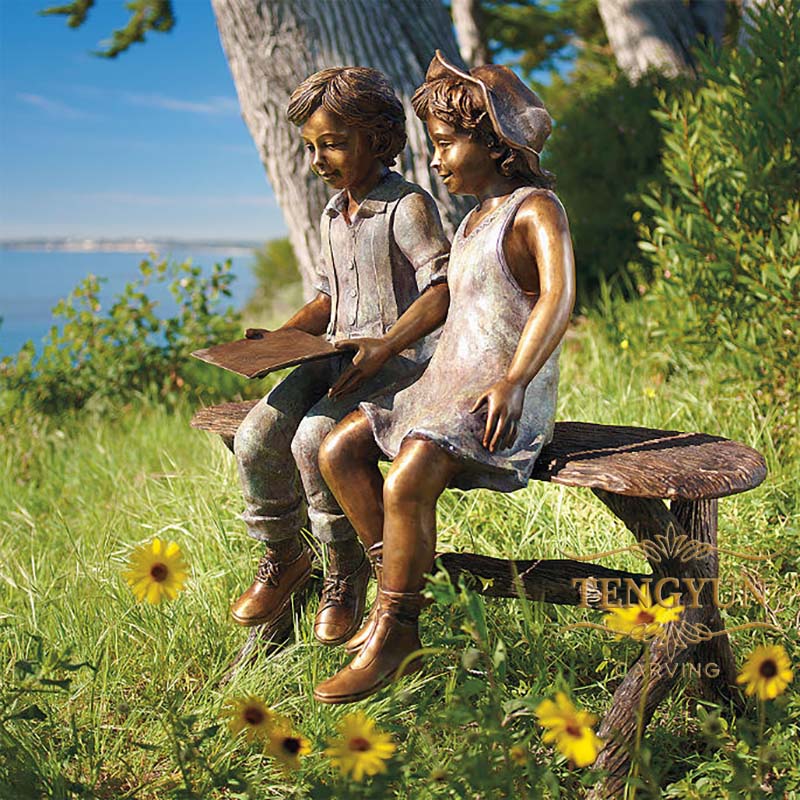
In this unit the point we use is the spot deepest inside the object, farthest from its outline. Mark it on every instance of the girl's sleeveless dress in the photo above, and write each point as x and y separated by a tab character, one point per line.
487	314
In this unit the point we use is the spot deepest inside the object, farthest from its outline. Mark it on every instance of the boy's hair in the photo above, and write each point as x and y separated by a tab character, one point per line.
363	98
458	104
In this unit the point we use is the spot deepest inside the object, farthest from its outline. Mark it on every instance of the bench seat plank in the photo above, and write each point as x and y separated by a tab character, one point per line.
636	462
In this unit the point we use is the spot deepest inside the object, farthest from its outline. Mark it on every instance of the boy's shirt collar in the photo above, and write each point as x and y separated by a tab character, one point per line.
374	203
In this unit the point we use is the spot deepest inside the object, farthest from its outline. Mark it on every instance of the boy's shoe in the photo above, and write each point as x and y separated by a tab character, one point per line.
341	606
283	570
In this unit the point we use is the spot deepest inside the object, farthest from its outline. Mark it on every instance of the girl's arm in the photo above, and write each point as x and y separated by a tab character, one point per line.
541	230
422	317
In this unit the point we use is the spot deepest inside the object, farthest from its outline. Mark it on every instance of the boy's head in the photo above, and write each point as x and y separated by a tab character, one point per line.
494	107
361	98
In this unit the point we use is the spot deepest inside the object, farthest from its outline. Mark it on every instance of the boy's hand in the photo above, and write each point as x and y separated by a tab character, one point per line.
255	333
504	409
371	356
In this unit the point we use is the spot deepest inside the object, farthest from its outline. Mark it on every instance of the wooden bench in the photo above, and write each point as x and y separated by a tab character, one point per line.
632	471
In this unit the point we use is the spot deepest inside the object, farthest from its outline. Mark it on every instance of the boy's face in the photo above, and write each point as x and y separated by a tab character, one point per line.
339	154
465	165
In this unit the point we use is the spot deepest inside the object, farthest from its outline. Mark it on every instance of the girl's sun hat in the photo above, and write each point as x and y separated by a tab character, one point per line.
517	113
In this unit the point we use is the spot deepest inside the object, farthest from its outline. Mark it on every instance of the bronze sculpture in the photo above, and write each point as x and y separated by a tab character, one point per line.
382	248
484	408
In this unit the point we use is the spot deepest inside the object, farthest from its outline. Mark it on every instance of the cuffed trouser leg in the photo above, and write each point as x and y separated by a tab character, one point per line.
327	521
275	508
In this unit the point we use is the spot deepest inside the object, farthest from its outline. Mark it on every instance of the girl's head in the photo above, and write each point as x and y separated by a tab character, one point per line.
362	99
495	109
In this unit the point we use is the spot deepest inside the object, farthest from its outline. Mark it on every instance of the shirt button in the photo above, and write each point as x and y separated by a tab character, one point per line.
351	265
353	293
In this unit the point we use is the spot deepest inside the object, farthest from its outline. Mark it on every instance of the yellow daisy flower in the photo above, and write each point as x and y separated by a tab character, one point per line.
570	729
767	672
156	570
644	620
249	714
360	750
285	744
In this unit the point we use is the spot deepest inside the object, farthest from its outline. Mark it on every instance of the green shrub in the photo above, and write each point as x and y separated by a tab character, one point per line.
279	292
605	151
725	245
128	349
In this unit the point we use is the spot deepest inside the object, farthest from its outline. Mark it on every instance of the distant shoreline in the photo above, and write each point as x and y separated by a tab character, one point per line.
144	246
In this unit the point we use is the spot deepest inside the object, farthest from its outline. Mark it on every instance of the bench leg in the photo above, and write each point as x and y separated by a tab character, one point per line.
699	519
679	542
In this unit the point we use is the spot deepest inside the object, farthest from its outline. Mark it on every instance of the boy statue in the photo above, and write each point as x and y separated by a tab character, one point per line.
382	248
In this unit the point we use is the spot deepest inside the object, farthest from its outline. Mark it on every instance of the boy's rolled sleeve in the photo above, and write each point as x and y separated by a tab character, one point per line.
319	278
419	235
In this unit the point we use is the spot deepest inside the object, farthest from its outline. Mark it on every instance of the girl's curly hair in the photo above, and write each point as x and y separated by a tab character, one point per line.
460	105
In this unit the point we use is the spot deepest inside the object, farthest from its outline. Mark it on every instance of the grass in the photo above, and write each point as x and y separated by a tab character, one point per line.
77	494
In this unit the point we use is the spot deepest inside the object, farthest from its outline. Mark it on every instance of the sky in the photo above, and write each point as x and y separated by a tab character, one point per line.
150	144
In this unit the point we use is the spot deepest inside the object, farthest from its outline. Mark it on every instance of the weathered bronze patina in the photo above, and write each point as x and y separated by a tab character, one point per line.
382	248
484	408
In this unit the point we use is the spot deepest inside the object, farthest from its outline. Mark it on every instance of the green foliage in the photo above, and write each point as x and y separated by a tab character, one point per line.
129	349
275	265
605	147
145	16
80	491
279	289
604	152
725	244
543	34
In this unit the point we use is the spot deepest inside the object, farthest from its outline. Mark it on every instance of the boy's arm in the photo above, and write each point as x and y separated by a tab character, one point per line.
422	317
312	318
545	231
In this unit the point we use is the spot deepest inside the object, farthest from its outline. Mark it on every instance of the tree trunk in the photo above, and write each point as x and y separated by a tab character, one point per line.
645	34
467	22
272	45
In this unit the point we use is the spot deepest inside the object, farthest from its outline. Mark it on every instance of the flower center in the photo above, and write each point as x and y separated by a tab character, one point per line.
645	618
360	744
768	669
574	730
159	572
253	716
291	744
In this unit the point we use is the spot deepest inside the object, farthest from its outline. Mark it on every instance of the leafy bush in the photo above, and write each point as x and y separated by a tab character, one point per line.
280	289
605	147
605	151
128	349
725	245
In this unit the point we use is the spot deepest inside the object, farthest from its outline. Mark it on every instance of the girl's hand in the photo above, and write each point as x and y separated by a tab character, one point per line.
504	409
371	356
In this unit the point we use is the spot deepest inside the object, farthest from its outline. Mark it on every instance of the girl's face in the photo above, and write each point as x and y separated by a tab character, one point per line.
339	153
465	165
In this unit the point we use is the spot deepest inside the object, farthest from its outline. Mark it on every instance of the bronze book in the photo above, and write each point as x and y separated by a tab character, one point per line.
255	358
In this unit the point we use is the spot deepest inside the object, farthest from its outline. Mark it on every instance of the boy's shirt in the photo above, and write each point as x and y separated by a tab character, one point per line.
374	268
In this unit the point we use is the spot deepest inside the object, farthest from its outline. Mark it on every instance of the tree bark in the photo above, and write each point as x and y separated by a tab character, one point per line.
272	45
467	23
646	34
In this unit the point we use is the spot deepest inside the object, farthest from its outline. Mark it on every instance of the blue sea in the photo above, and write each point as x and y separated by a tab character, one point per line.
31	283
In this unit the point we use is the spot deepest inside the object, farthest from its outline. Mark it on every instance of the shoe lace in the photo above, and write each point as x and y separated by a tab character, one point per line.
268	571
334	589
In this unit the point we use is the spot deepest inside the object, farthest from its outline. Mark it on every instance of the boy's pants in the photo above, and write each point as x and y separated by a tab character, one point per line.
278	442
